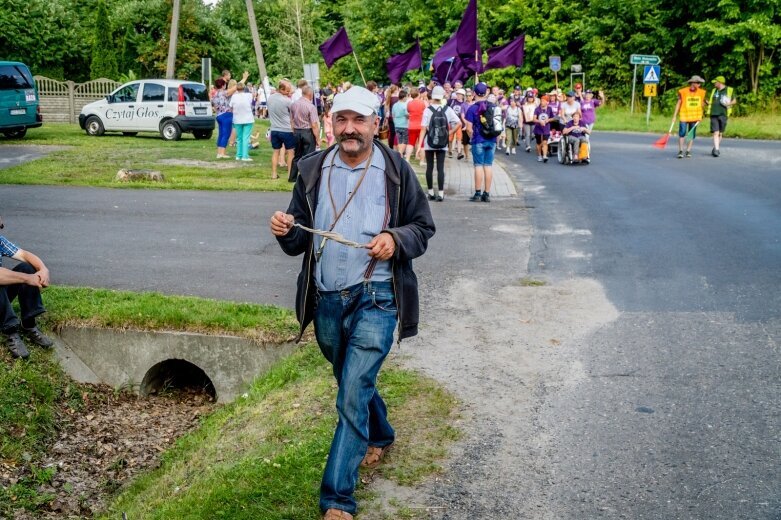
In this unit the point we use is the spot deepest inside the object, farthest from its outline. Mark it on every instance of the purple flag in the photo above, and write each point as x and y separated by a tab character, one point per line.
509	54
398	64
466	35
471	65
335	47
451	71
447	51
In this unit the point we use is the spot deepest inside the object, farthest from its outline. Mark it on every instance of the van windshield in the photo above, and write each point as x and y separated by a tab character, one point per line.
192	92
13	77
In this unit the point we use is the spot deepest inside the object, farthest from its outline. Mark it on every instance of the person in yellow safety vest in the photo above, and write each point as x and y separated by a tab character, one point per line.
720	103
691	101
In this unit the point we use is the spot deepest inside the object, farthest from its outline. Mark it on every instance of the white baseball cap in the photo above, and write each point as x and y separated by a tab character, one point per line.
437	93
357	99
461	91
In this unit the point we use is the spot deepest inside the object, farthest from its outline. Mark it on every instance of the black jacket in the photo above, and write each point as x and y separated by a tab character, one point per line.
411	225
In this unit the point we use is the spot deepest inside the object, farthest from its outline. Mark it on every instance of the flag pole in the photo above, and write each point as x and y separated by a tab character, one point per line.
476	68
359	68
449	69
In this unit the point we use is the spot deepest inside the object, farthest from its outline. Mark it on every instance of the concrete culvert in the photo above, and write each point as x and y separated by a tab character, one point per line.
176	374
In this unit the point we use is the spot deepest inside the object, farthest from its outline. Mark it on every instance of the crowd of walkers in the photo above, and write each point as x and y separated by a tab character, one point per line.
423	122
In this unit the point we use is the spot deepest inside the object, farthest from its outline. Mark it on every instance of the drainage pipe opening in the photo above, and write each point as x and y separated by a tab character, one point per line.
176	374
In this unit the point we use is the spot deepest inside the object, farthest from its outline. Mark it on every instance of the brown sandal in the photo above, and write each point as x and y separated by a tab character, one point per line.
374	455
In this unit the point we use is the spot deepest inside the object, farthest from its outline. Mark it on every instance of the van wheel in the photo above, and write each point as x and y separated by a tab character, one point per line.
16	134
202	134
170	131
94	126
130	134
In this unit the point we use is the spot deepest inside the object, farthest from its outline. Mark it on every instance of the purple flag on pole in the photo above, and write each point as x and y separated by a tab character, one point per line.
509	54
335	47
447	51
472	65
398	64
466	35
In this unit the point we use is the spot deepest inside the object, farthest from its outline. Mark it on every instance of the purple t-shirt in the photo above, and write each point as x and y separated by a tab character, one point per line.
473	116
546	114
555	106
579	130
459	108
588	109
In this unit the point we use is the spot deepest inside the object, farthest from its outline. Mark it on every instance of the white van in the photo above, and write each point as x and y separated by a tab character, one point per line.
167	106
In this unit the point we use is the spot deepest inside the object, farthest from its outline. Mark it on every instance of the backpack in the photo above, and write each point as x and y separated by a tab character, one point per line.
490	120
437	133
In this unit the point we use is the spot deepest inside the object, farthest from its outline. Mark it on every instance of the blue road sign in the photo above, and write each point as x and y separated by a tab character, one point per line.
651	74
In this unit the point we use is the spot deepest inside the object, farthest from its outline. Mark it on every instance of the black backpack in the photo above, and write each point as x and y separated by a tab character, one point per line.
490	120
437	133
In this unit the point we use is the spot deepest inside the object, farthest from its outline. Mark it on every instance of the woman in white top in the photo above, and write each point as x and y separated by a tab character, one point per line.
528	107
243	119
569	107
512	120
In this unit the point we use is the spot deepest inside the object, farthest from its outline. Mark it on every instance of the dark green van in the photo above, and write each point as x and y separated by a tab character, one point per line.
19	103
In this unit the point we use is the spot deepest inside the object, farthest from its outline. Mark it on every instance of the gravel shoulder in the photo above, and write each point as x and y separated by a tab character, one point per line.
502	346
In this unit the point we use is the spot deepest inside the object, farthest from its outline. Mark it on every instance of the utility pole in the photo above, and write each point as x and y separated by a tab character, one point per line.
253	26
298	27
169	69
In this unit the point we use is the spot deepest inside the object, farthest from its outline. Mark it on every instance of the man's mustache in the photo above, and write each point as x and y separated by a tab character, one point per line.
345	137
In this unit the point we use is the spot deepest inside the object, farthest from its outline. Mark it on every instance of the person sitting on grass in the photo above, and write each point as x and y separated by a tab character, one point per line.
24	281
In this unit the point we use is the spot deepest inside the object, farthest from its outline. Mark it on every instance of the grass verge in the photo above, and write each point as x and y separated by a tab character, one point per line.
82	160
263	456
755	126
83	306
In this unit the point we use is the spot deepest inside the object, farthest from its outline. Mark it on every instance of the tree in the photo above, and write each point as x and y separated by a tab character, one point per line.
104	58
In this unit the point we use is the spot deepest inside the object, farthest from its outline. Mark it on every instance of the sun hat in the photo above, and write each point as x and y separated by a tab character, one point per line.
437	93
530	95
461	91
481	89
696	79
719	79
357	99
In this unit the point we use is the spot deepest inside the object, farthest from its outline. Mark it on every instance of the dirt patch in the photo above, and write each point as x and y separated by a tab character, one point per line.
225	164
113	437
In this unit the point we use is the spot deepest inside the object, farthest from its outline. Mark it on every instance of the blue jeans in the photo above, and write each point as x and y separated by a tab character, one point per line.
483	153
354	329
224	125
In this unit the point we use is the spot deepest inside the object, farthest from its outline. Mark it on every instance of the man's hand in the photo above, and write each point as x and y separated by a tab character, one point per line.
43	276
281	223
382	246
34	280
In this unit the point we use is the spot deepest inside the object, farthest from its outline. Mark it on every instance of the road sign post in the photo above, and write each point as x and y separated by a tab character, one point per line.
640	59
555	66
650	81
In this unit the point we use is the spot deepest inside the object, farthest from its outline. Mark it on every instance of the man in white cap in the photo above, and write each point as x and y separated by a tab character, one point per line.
437	128
356	296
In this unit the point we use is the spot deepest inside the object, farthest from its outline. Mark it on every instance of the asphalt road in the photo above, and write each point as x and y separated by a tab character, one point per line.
679	412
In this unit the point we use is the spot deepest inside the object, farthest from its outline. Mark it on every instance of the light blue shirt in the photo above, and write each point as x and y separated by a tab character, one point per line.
400	114
342	266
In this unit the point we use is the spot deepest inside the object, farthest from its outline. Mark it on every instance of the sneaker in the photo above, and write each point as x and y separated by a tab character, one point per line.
431	197
507	151
539	158
680	155
36	337
688	155
486	197
440	198
528	149
587	160
476	197
450	154
460	156
247	159
545	159
718	152
512	151
16	346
